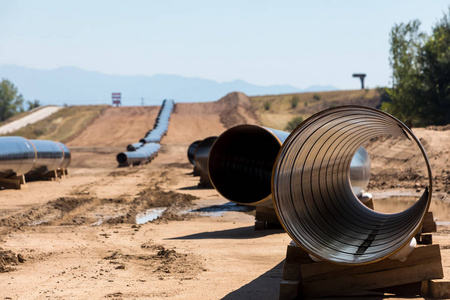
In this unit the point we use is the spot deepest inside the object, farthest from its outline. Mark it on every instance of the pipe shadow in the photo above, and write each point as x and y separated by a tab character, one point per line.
266	286
240	233
195	187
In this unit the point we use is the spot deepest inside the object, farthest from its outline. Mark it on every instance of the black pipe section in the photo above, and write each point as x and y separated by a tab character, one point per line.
241	161
201	159
191	151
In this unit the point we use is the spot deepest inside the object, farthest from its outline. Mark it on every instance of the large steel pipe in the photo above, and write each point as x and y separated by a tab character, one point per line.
201	159
191	151
49	156
141	156
313	193
242	159
17	156
67	157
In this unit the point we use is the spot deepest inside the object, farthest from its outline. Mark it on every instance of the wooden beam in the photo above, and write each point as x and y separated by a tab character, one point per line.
326	279
429	225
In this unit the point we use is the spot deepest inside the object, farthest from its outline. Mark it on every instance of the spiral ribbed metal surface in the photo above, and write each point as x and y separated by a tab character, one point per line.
313	194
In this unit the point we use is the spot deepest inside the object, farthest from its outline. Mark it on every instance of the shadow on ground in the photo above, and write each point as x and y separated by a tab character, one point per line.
248	232
195	187
266	286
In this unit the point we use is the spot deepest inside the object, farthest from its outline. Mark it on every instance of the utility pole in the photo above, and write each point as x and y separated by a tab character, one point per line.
361	76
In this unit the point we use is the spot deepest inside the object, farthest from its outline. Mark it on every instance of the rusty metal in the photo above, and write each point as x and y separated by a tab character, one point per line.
313	193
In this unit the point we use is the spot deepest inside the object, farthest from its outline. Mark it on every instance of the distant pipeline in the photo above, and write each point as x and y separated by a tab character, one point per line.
147	148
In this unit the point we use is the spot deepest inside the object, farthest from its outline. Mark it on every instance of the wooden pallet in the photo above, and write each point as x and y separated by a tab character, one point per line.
14	182
304	278
420	274
266	217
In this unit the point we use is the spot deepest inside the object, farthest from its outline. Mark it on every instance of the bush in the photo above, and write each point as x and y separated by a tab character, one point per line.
291	125
294	101
316	97
267	105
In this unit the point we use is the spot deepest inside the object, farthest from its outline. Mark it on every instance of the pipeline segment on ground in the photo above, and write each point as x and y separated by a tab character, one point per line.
20	156
147	148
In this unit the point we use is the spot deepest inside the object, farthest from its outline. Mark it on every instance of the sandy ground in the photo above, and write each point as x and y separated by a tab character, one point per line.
33	117
78	237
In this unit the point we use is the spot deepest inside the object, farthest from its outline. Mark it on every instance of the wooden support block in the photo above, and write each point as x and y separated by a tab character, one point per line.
326	279
12	182
439	288
369	203
425	239
260	225
295	257
266	214
429	225
289	289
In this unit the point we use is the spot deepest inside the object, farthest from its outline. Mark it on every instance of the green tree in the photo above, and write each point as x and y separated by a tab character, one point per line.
291	125
435	66
420	93
10	100
267	105
33	104
294	101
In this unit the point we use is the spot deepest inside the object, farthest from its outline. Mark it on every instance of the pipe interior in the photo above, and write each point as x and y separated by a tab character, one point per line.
122	158
313	193
241	162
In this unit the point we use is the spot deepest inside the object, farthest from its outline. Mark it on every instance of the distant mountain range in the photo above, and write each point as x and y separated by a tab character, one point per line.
73	86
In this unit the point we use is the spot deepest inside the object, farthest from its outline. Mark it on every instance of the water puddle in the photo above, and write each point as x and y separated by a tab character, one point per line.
149	215
397	203
98	223
219	210
37	222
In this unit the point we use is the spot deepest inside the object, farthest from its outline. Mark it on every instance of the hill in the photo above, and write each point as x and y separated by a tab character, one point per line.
73	86
275	111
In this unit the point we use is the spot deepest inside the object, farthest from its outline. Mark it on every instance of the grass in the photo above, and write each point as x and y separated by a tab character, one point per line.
282	111
63	124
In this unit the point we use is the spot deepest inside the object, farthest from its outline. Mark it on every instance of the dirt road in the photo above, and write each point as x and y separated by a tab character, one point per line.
78	237
31	118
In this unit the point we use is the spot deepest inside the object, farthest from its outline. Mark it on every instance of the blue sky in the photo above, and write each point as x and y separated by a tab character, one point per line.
300	43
